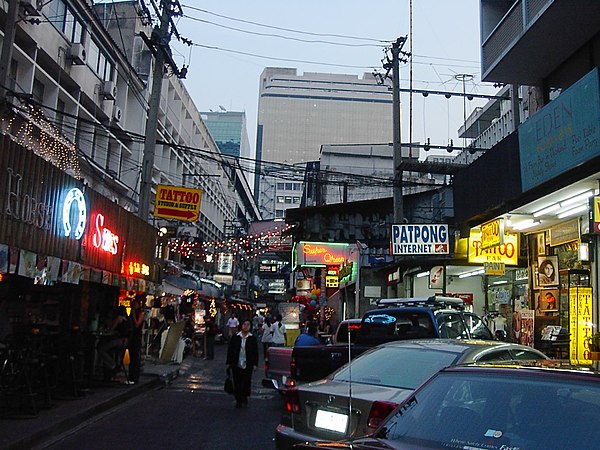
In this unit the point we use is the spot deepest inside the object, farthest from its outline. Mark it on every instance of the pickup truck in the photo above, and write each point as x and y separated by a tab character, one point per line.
278	360
432	317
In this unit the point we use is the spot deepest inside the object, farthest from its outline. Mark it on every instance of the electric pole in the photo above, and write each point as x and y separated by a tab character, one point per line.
160	38
396	51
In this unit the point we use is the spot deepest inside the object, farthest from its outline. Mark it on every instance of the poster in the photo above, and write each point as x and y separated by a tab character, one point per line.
527	327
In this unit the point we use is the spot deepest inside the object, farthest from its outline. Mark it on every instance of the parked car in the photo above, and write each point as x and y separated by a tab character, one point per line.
375	383
396	319
498	407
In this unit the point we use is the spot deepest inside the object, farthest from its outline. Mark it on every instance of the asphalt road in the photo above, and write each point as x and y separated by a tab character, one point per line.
192	413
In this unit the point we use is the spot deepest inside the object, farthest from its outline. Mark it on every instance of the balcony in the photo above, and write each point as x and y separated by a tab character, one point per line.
526	42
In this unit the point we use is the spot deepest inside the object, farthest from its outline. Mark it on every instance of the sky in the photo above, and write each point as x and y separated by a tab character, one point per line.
225	64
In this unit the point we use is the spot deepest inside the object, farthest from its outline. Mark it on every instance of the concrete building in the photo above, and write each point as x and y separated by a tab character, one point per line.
299	113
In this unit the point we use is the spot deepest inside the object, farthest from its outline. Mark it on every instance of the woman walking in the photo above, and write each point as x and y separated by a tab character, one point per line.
242	360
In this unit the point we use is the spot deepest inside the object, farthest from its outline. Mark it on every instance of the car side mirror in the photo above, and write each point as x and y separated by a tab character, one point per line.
500	335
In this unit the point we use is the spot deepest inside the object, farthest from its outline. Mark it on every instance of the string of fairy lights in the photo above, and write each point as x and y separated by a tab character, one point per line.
248	246
38	134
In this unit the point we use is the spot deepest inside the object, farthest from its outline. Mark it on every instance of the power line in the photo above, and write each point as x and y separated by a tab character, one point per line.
383	41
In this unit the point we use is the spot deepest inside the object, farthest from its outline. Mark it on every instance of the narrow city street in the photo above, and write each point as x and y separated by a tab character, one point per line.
193	412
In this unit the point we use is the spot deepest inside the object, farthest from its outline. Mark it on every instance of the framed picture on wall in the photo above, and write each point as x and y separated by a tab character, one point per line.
541	243
546	300
548	271
534	276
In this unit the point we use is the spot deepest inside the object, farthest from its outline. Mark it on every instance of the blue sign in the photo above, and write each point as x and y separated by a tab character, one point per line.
562	135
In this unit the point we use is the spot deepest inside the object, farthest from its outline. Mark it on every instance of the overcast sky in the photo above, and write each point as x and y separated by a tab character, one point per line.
225	64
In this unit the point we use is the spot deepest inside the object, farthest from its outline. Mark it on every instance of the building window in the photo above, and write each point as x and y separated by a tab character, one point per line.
289	186
296	200
65	21
288	200
279	213
297	186
280	199
280	186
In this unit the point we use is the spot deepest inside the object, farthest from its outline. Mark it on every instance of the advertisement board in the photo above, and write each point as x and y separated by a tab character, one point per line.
177	202
419	239
507	253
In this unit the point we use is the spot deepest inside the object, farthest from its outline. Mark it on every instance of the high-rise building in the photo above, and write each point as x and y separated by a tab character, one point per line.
299	113
230	133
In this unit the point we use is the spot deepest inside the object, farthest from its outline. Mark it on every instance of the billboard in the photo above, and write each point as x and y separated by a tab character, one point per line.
177	202
419	239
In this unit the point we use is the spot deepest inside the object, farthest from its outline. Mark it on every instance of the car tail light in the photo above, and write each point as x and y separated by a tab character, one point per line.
292	401
379	411
266	366
293	367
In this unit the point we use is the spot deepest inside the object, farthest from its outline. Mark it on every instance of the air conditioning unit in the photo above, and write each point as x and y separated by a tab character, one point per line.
77	54
109	90
117	114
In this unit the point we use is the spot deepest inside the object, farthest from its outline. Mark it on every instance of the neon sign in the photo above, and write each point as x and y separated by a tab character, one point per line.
137	268
74	196
104	238
323	253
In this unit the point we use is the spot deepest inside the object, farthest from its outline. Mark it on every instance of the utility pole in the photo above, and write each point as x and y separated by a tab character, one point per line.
7	46
162	37
396	51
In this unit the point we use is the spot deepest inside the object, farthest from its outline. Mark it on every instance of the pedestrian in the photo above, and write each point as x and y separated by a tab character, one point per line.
309	337
232	326
136	317
278	331
210	332
116	338
267	336
242	360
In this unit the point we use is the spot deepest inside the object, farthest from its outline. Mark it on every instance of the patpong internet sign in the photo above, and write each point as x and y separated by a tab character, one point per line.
175	202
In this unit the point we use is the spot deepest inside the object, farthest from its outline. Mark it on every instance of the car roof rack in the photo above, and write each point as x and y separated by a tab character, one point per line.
435	302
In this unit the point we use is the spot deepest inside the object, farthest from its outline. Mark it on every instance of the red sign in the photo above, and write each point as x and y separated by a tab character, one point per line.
103	238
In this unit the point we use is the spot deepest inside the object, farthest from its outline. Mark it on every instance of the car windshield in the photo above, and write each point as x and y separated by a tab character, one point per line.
458	410
393	325
396	367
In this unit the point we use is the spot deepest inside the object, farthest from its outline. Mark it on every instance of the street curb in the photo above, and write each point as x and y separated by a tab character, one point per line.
71	422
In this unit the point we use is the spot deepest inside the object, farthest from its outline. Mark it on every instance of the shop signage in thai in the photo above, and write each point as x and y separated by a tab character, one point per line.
596	214
562	135
507	253
133	268
321	254
581	324
176	202
225	263
492	233
419	239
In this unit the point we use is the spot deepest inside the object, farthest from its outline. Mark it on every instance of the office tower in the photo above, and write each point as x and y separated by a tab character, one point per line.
298	114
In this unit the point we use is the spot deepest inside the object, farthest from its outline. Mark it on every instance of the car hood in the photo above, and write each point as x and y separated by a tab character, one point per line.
363	391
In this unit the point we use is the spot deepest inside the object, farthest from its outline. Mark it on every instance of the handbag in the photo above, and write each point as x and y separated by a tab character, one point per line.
228	383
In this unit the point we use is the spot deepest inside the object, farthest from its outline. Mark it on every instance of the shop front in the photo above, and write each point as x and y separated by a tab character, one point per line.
67	255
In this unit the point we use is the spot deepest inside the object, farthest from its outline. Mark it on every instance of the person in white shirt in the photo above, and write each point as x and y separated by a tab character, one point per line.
266	336
232	326
278	329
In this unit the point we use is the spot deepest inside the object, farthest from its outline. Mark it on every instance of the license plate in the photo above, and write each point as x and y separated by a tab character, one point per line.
332	421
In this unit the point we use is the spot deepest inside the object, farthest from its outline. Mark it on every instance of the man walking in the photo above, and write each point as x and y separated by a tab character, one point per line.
232	326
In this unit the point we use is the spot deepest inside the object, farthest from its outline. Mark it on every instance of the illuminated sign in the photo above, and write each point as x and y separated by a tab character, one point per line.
419	239
174	202
136	268
507	253
225	263
581	324
74	224
25	206
596	215
492	233
104	238
322	254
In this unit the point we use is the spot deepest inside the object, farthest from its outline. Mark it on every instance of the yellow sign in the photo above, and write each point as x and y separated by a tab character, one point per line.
581	324
175	202
332	281
596	214
492	233
494	268
506	253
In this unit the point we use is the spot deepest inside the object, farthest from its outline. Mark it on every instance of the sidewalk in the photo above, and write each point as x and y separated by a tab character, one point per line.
24	433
